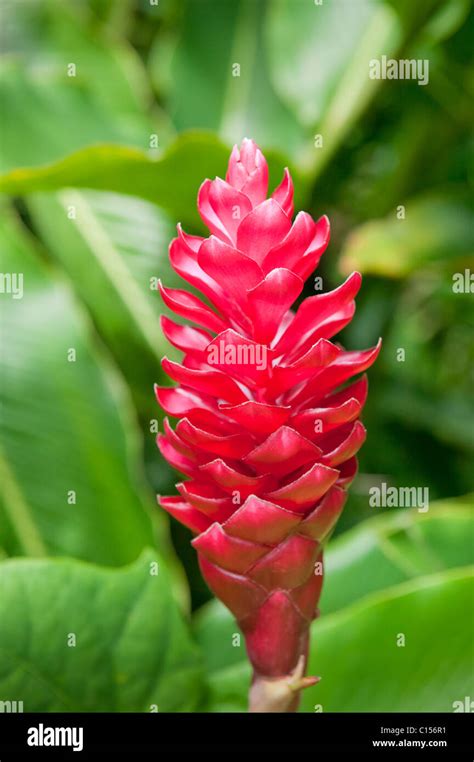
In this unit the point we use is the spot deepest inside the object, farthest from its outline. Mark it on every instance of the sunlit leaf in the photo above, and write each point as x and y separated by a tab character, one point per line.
171	182
327	84
425	231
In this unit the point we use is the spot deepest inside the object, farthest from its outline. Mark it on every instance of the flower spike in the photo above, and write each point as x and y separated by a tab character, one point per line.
269	426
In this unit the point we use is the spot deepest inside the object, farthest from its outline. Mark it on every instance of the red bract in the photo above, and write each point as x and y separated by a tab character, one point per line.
269	429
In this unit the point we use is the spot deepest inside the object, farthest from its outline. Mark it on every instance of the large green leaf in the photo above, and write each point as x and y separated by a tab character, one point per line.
114	248
69	453
373	557
76	637
172	181
365	668
433	230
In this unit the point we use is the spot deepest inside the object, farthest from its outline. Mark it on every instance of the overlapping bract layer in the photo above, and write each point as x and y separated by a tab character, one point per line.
269	429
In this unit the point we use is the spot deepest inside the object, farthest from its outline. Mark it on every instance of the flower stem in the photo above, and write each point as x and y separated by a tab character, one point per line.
279	694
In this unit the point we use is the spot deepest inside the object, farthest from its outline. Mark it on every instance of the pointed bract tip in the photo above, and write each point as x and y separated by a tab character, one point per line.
304	682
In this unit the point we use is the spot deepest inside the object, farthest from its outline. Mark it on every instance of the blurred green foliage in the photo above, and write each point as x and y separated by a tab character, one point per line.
112	114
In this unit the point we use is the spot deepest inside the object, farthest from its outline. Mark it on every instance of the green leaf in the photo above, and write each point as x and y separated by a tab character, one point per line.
69	454
447	417
172	181
327	85
393	548
104	98
434	230
193	69
447	20
114	248
364	667
214	39
76	637
429	673
378	554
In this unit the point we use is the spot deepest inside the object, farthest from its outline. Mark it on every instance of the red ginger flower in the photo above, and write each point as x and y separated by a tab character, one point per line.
267	437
